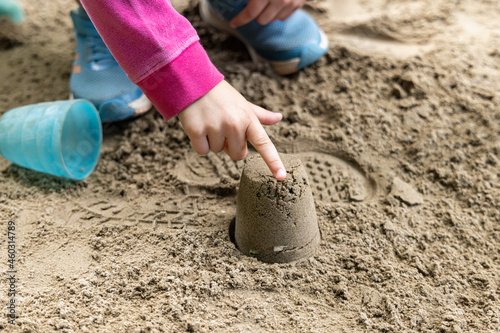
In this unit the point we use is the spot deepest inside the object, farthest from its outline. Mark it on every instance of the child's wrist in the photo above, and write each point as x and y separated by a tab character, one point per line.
175	86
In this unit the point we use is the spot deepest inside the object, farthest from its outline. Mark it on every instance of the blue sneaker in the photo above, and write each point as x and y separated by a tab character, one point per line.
287	46
97	77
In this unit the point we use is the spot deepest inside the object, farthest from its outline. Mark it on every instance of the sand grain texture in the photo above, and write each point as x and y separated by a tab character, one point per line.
276	221
410	90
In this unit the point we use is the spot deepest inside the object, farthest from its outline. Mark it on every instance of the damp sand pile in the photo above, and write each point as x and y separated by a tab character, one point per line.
397	127
276	220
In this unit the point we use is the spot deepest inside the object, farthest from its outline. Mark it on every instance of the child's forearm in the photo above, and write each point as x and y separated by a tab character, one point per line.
157	48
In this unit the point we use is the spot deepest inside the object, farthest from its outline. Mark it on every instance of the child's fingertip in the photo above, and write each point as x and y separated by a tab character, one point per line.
281	174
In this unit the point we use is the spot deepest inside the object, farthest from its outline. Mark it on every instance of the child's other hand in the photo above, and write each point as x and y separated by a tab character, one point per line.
266	11
225	120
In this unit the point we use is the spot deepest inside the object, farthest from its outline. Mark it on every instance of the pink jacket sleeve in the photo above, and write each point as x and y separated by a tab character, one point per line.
157	48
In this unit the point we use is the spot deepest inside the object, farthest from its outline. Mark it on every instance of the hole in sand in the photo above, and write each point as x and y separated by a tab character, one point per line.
231	232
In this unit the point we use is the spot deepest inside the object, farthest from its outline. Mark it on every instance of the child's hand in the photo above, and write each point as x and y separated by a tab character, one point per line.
266	11
225	120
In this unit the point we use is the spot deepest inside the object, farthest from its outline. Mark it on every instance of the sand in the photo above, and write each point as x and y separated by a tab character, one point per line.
399	130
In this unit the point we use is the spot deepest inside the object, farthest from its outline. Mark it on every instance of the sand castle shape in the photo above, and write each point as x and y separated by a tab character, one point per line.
276	221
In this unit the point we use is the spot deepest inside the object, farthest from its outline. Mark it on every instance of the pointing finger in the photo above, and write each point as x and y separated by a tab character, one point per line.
258	137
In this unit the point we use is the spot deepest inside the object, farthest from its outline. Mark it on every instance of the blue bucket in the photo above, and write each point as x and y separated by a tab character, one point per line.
61	138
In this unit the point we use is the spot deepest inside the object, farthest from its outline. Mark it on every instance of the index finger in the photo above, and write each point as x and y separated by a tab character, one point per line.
258	137
249	13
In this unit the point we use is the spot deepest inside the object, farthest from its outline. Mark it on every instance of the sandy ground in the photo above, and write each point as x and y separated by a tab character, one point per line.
400	121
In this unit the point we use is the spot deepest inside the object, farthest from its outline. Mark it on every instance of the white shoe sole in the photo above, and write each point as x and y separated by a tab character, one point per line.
140	105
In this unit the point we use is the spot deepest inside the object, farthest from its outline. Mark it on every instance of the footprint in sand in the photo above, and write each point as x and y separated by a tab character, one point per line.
333	179
172	213
378	26
211	171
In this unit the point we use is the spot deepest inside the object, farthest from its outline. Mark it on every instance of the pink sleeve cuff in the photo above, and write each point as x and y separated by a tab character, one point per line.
181	82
